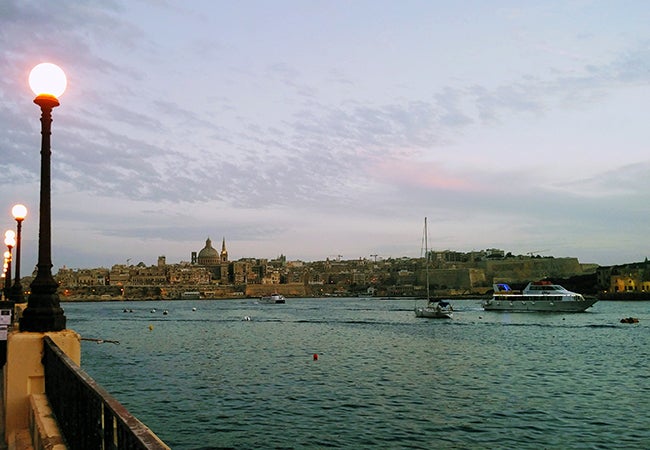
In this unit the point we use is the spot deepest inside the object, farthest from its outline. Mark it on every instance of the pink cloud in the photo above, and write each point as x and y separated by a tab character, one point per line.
429	175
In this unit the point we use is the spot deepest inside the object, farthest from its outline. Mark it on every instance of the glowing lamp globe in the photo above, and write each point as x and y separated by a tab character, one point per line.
47	79
10	241
10	234
19	212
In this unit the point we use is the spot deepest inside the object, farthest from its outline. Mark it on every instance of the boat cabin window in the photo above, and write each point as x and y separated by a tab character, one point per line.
544	288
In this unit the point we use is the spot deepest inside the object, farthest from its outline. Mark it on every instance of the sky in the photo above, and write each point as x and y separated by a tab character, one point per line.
316	128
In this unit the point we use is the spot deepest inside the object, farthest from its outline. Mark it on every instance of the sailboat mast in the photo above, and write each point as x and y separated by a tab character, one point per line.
426	255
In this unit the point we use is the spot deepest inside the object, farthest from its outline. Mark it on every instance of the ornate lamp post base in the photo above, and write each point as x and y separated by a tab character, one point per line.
42	321
43	312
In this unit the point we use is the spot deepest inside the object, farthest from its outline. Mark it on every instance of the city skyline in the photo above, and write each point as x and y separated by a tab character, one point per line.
318	129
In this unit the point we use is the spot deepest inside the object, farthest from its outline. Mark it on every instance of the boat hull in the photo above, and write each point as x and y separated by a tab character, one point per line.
432	313
524	305
273	299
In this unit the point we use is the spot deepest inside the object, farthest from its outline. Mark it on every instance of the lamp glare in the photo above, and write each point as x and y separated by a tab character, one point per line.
19	212
10	241
47	79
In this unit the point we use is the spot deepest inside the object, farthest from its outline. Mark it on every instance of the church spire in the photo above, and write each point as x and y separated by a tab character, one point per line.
224	252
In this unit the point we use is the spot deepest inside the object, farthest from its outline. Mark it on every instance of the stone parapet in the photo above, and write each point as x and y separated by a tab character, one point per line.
20	440
43	429
24	373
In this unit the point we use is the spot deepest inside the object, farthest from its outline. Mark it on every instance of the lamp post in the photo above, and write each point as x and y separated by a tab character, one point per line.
43	312
19	212
10	241
5	268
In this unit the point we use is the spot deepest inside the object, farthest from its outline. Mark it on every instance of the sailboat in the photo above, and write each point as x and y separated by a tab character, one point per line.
434	309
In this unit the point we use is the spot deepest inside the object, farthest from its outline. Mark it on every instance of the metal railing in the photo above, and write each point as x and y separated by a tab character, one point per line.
89	417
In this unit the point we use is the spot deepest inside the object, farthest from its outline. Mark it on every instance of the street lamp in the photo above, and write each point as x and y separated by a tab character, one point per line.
5	267
5	273
10	241
43	312
19	212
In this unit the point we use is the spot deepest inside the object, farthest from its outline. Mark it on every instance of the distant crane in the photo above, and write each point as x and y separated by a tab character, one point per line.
374	256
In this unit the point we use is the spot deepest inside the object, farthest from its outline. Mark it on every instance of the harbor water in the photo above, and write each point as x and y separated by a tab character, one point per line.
366	373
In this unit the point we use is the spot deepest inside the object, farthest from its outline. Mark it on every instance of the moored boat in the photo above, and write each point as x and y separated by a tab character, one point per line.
273	298
434	309
540	296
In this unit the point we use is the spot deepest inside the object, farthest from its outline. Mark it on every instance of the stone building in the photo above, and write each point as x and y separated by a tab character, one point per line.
208	256
217	262
628	278
189	275
148	276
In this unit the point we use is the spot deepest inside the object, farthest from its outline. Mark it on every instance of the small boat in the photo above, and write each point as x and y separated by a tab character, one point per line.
538	296
273	298
434	309
630	320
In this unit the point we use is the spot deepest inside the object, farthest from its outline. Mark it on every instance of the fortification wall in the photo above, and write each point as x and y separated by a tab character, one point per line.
457	278
521	271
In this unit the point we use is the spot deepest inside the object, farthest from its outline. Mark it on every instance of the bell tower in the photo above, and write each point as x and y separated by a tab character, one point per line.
224	252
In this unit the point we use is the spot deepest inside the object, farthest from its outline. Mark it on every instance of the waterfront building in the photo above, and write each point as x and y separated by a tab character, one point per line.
248	271
119	275
148	276
83	277
211	273
271	277
627	278
188	275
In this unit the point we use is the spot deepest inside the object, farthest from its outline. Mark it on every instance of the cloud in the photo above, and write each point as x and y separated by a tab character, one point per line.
630	181
175	119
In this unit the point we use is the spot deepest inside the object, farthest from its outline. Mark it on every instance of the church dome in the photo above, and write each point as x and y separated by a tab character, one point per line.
208	256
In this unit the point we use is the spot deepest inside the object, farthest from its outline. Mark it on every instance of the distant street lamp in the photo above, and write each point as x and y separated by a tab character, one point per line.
5	267
19	212
43	312
6	255
10	241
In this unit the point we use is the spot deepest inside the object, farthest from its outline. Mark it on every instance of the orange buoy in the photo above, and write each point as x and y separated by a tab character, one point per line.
315	356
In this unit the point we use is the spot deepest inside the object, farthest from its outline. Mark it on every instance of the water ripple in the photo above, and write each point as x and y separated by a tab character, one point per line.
383	379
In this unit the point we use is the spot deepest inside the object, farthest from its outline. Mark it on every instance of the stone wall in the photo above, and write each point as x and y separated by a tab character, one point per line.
522	271
288	290
463	279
